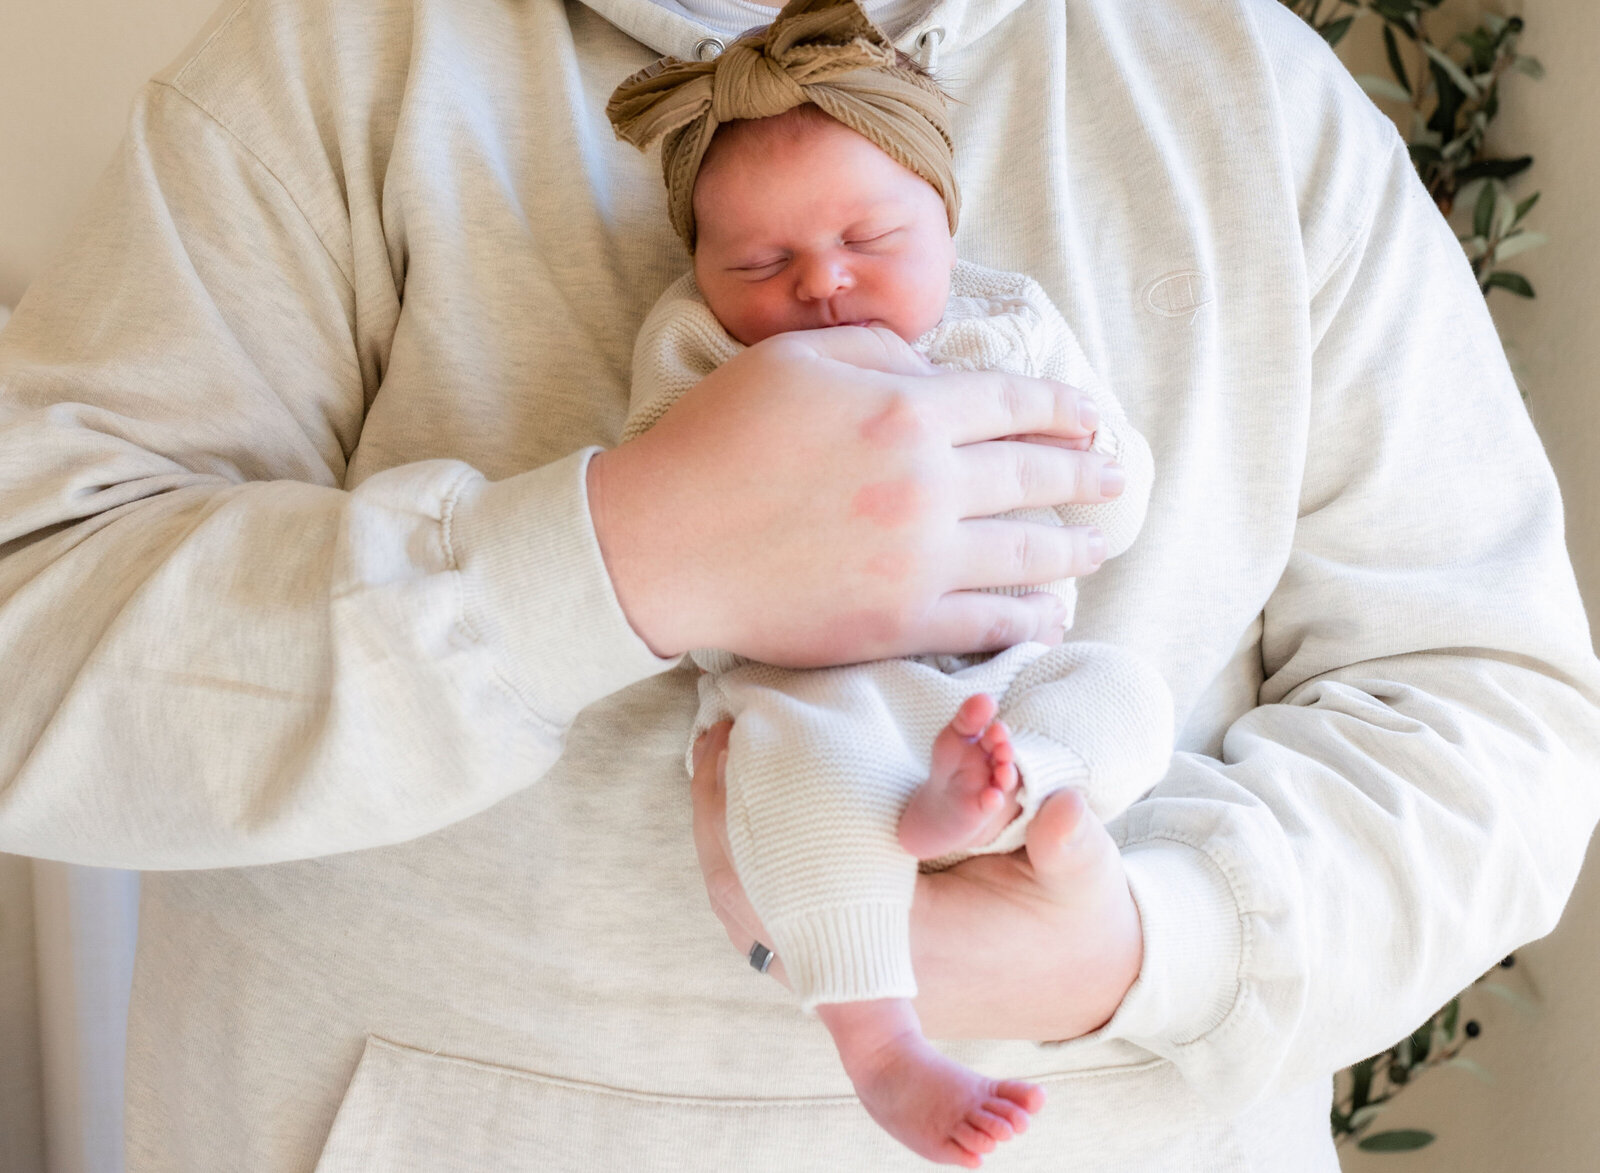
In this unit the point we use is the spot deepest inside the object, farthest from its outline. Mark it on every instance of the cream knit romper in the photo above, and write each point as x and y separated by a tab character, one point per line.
821	762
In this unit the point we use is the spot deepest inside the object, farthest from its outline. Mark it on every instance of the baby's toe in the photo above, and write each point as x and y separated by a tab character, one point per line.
996	741
951	1153
974	715
972	1139
1004	778
996	1127
1028	1096
1013	1114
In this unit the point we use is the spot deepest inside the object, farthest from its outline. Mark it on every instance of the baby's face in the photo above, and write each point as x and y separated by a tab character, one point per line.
808	224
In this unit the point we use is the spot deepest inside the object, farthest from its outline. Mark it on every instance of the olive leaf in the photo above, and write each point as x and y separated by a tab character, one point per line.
1455	73
1399	1140
1518	243
1392	48
1511	282
1483	211
1382	87
1334	31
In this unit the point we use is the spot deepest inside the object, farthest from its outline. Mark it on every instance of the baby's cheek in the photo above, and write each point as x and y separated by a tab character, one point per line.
925	293
756	318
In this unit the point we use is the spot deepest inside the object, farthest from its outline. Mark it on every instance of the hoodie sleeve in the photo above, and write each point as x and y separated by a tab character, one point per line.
212	654
1413	795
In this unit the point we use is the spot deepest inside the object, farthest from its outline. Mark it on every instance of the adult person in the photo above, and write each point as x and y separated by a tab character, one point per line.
309	565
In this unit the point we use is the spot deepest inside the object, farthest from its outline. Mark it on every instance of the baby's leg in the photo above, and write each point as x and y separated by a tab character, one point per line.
937	1108
970	793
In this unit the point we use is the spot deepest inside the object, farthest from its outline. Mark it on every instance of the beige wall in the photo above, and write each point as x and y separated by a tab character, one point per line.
1543	1113
68	72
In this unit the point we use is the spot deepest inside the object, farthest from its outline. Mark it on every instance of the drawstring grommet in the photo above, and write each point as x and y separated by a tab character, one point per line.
927	47
708	48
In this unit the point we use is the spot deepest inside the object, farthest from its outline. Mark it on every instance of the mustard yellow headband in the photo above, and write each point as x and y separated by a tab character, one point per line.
823	52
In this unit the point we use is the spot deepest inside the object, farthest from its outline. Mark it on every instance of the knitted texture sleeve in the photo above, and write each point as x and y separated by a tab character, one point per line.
1006	321
680	343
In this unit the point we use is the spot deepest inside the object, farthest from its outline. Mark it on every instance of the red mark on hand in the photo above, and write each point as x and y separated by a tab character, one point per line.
887	503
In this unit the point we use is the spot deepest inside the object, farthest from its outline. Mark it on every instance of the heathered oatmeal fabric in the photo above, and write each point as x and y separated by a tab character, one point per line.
300	605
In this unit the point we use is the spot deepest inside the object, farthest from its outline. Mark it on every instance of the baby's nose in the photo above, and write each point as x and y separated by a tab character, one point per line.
823	279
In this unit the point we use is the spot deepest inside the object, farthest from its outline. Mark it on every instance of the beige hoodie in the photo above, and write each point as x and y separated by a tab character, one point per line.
297	584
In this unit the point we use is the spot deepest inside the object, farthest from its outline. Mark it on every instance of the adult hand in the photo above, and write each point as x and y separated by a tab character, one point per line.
1040	945
828	497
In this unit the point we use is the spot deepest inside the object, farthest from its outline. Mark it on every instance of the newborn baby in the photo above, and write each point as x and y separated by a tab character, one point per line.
840	780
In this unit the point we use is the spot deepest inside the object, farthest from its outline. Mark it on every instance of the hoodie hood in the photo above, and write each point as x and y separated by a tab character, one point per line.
665	26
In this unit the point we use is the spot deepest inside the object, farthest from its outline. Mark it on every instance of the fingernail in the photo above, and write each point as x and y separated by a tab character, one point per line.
1097	548
1112	479
1088	415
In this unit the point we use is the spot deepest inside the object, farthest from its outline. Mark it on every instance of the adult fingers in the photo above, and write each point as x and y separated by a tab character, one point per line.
972	406
871	348
723	889
1003	475
964	622
1077	443
710	832
1000	552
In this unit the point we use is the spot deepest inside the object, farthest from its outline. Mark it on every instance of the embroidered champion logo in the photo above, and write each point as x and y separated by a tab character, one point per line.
1178	295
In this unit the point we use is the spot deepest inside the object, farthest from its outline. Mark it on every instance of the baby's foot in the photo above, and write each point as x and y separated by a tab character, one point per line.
937	1108
969	794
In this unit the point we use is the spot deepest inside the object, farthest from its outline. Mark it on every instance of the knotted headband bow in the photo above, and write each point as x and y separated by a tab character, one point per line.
823	52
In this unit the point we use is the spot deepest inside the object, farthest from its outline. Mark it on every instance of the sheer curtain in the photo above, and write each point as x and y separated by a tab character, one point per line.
85	925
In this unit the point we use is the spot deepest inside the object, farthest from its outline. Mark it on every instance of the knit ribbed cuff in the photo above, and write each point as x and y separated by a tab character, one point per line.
1045	766
535	588
1193	947
851	954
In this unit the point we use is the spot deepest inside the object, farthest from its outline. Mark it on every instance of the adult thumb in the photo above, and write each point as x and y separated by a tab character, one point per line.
1057	836
872	348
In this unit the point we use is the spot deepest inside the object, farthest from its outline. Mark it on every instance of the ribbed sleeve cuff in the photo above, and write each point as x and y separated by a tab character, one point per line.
850	954
1193	947
535	588
1045	766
